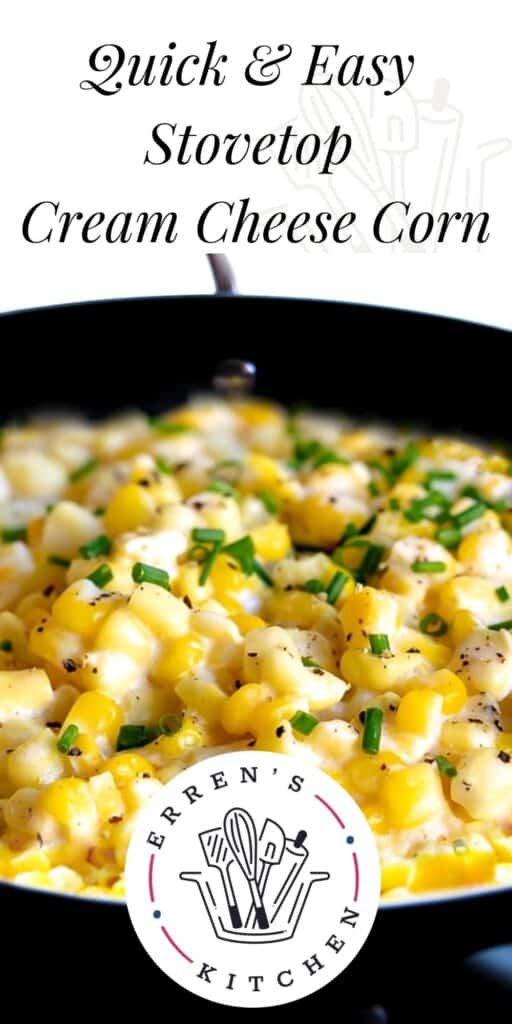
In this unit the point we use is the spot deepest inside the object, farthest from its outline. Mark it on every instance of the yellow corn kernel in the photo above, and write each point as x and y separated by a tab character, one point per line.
462	624
188	738
36	762
205	697
395	874
296	608
228	581
313	521
78	610
260	473
419	712
504	742
54	644
437	653
186	584
124	631
70	803
412	795
502	845
239	710
97	715
24	692
256	414
271	714
376	819
467	594
462	865
66	527
366	772
164	613
370	671
451	688
368	611
129	508
108	800
88	762
127	766
33	474
278	740
27	860
179	658
246	623
271	540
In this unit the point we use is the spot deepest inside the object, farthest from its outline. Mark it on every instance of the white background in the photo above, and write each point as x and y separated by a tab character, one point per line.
86	151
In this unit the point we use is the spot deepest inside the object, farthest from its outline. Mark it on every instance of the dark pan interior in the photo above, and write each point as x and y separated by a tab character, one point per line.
362	360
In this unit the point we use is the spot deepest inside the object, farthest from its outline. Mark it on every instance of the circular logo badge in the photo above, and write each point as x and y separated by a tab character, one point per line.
252	880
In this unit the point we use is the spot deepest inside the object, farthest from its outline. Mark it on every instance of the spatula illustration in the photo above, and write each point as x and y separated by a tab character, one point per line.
271	847
240	832
218	855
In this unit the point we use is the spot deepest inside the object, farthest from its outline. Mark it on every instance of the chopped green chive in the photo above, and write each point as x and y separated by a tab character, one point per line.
6	645
142	573
10	534
208	561
350	531
166	426
314	586
336	586
506	624
502	594
59	560
431	507
268	500
83	470
426	566
162	465
101	545
373	489
326	457
203	535
135	736
310	663
303	451
371	561
99	511
404	459
433	625
101	576
222	487
449	536
372	730
170	724
394	504
469	515
243	551
261	572
445	766
303	722
379	642
382	469
439	474
67	739
367	527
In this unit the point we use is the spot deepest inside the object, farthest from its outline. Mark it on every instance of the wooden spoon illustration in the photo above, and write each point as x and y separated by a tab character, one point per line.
240	832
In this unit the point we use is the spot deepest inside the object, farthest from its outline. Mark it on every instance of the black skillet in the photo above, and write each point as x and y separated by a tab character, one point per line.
65	955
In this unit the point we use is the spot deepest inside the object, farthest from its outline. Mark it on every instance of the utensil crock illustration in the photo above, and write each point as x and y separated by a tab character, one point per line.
255	877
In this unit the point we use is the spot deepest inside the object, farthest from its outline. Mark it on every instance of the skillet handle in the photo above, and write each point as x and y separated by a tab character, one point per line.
222	273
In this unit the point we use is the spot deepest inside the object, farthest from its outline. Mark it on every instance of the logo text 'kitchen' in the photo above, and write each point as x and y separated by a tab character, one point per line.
252	880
